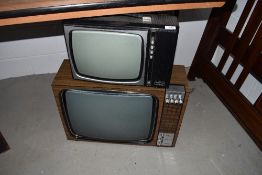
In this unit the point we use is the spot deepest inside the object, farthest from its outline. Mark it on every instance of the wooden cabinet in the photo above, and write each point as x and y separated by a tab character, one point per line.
169	115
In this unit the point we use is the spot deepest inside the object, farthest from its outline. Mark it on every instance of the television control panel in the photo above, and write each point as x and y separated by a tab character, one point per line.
175	94
165	139
174	99
160	57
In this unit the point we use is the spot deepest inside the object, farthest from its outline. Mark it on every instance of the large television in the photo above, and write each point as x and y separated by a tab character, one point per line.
129	49
118	113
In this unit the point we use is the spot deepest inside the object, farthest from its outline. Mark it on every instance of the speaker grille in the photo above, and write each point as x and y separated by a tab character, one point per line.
170	117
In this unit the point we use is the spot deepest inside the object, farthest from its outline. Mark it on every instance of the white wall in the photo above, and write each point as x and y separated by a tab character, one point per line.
192	25
31	56
44	55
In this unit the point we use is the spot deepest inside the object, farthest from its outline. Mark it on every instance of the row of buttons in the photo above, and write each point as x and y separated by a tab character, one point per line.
173	98
150	54
152	47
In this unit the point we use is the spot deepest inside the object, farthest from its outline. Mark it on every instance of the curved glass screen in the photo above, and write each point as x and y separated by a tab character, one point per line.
107	55
110	116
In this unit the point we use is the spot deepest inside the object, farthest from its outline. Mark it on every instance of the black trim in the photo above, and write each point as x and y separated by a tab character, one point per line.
164	55
149	67
92	6
79	137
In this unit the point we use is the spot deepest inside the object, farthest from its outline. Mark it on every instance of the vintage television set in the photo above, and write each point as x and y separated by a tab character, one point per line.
120	113
129	49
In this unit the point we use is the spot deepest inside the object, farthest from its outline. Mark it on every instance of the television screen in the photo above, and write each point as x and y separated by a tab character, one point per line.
107	55
109	115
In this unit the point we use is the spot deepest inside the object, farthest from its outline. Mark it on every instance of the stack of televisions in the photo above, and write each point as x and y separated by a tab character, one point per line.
119	84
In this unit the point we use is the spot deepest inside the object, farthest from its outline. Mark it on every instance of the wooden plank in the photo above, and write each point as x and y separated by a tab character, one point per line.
258	104
256	69
10	5
233	38
103	12
248	34
252	58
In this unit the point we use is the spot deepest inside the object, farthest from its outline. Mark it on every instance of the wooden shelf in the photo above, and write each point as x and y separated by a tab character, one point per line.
30	11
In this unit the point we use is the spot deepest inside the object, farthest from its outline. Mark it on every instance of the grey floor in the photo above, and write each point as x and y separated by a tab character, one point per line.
210	142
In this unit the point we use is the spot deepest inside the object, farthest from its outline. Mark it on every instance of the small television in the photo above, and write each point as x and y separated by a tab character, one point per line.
129	49
118	113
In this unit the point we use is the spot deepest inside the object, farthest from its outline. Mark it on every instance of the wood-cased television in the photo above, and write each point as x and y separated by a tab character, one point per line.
120	113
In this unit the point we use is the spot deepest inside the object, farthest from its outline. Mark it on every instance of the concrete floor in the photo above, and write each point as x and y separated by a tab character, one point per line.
210	142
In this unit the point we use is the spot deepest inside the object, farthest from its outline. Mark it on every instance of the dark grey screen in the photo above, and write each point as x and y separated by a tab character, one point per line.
110	115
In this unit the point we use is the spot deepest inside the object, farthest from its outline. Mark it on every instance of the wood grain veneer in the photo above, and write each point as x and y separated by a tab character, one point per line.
64	80
9	5
23	4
